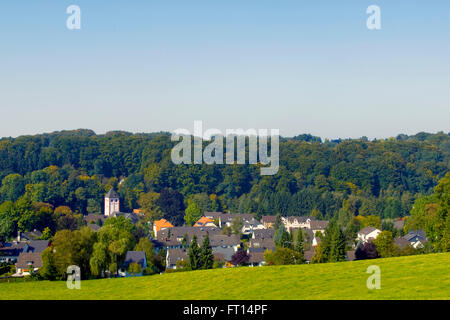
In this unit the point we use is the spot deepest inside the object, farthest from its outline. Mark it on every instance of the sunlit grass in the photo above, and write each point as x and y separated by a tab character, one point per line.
413	277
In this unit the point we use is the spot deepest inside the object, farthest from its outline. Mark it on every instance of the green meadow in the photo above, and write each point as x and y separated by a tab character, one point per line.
413	277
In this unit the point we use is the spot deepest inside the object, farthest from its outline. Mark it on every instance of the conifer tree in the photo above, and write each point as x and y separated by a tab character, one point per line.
206	254
194	254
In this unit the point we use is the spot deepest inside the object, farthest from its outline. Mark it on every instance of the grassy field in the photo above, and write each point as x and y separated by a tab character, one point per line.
414	277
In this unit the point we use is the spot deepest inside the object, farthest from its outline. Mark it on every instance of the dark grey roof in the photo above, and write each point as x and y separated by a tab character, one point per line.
13	249
268	244
112	194
263	233
420	234
221	240
134	256
177	234
174	255
37	245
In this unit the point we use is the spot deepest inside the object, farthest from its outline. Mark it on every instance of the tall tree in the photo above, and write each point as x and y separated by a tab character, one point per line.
206	254
194	254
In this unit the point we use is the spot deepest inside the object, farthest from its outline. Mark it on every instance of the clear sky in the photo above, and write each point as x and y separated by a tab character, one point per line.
298	66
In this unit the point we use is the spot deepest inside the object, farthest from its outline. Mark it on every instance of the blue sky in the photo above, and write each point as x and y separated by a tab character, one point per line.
299	66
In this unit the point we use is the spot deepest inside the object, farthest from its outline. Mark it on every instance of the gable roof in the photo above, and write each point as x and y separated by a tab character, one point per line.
163	223
111	194
308	255
420	234
202	221
174	255
134	257
256	257
367	230
25	258
13	249
401	242
37	245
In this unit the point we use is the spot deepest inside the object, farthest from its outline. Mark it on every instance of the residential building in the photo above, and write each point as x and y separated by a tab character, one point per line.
159	225
28	263
133	257
368	233
268	221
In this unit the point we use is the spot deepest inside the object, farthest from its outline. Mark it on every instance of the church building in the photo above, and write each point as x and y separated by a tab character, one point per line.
112	203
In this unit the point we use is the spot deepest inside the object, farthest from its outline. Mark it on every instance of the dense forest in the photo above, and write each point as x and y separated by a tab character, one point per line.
319	178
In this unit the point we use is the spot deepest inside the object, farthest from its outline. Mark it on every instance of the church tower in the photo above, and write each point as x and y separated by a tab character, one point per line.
112	203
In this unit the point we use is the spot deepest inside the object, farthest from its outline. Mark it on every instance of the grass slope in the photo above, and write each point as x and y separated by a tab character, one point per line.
413	277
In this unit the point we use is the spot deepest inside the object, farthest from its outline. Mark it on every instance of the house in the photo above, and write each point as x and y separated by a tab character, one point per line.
27	236
173	256
266	244
133	257
318	226
308	255
250	226
37	246
227	218
215	216
402	243
263	234
268	221
225	245
296	222
256	257
161	225
368	233
28	263
204	222
10	251
416	238
179	237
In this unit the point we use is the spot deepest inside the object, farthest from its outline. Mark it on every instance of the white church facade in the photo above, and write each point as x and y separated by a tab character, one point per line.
112	203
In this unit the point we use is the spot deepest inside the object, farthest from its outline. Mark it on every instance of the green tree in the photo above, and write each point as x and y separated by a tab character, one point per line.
146	245
385	244
193	212
194	254
206	254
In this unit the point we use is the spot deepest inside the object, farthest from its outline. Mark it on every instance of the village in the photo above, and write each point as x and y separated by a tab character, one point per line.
255	238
